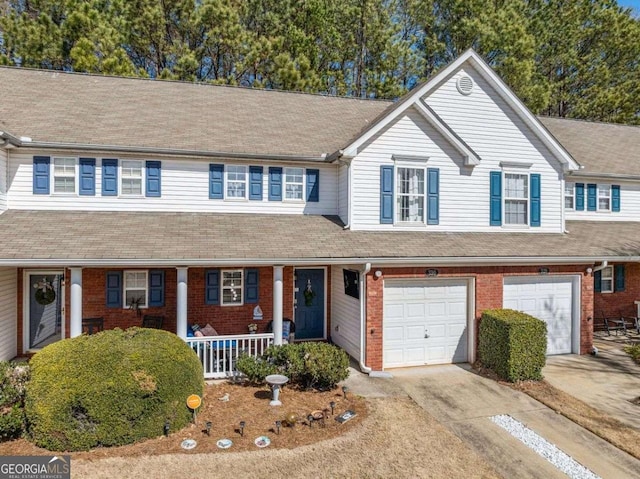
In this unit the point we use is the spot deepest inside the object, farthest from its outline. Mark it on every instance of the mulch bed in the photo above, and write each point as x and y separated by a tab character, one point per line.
246	403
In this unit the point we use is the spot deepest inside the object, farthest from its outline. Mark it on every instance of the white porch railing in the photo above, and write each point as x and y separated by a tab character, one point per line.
218	354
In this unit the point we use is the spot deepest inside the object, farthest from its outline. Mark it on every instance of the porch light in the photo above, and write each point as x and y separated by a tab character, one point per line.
208	426
242	425
278	425
167	428
344	391
332	405
378	274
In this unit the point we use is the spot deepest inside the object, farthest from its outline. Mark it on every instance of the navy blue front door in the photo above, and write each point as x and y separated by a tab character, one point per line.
309	305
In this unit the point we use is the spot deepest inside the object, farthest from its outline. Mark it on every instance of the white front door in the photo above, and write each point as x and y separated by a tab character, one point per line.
43	308
425	322
549	298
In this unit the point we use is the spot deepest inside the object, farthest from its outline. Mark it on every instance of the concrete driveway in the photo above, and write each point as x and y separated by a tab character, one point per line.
464	402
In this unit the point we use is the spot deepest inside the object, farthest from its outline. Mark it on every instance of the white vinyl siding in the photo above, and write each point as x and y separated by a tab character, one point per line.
136	289
64	175
345	315
294	184
8	313
516	199
236	184
629	203
185	187
131	178
606	280
232	287
4	159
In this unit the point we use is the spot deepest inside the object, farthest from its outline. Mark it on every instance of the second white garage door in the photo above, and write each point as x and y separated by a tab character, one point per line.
548	298
425	322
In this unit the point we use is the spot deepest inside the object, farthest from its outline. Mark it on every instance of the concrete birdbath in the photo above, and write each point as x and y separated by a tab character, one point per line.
276	381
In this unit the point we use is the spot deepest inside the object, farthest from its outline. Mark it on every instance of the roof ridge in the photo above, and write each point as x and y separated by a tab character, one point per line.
581	120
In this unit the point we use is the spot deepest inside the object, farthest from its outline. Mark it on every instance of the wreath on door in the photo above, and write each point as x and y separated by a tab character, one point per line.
45	293
309	294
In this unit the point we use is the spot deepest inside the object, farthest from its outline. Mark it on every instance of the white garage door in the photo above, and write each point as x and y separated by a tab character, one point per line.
425	322
550	299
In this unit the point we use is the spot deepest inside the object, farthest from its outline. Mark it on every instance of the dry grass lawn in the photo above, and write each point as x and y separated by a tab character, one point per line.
608	428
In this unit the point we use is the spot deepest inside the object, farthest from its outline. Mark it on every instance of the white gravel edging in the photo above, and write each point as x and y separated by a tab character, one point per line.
544	448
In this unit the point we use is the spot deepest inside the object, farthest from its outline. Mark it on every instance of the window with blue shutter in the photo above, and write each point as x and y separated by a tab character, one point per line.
251	291
156	287
597	281
87	176
212	286
433	193
615	198
495	188
534	180
216	182
154	178
579	196
255	183
386	195
41	175
313	185
114	289
619	278
592	197
275	183
109	177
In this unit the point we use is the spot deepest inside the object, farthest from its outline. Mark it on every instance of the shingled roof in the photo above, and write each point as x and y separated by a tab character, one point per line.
67	237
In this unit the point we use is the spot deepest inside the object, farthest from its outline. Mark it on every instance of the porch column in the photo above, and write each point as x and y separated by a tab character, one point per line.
277	304
181	303
75	328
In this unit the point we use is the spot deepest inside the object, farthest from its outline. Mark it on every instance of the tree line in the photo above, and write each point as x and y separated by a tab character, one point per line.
568	58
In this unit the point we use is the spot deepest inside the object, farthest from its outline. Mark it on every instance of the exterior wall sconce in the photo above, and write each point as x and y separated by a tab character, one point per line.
378	274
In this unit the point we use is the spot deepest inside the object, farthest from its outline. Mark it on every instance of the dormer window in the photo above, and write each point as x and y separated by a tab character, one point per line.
64	175
604	197
516	199
569	196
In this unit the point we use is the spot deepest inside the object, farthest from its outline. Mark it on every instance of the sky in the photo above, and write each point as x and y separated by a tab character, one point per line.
631	3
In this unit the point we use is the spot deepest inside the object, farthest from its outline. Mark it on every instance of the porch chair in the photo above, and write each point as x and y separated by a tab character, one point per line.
153	322
630	321
612	324
92	325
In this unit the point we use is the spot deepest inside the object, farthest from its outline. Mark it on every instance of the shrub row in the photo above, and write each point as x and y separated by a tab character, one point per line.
13	381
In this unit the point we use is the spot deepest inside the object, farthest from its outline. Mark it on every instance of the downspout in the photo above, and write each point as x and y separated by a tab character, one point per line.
349	199
601	267
363	317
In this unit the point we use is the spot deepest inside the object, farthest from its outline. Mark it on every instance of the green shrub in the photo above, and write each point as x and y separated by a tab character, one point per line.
634	352
513	344
111	388
256	369
13	380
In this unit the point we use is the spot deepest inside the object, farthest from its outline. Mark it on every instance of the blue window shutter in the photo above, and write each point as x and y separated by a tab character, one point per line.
313	186
433	196
495	188
619	277
255	183
251	285
154	179
212	286
109	177
156	287
41	175
534	192
275	183
386	195
87	176
114	289
216	182
597	281
615	198
579	196
592	192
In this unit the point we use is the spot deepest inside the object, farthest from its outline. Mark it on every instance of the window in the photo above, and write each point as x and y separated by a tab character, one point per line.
516	199
131	178
135	289
604	197
294	183
410	195
236	182
64	175
232	287
606	280
569	196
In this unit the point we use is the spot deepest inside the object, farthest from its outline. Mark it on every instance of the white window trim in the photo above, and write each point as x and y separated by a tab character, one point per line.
76	181
222	287
143	178
246	182
598	189
572	195
609	269
124	287
284	185
522	172
419	163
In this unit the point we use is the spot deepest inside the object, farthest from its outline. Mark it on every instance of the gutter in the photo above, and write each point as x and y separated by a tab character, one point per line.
363	318
602	266
604	176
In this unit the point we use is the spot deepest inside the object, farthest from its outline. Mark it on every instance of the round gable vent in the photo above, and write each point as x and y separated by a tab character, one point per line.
465	85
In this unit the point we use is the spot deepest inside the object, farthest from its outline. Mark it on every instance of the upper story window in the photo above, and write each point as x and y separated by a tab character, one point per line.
604	197
236	182
410	195
294	184
232	287
516	198
606	280
569	196
135	289
64	175
131	178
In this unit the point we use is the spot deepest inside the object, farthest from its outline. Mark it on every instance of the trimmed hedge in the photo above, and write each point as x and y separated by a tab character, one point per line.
308	365
513	344
13	380
112	388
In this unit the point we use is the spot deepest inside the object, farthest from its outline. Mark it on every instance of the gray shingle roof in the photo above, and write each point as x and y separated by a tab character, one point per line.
184	237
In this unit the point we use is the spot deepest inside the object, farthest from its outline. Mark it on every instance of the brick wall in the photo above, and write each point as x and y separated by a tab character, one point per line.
489	289
620	303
